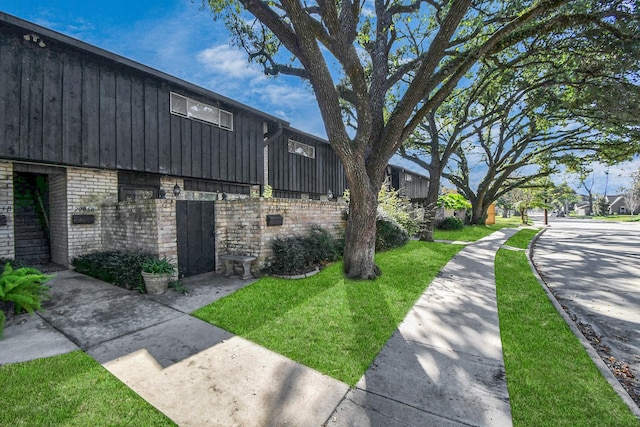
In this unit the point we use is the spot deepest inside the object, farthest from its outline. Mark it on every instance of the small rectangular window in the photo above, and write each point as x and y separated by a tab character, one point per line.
178	104
187	107
301	149
204	112
226	120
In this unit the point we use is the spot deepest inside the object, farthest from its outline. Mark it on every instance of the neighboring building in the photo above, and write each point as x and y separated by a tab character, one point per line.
618	206
99	152
412	185
582	209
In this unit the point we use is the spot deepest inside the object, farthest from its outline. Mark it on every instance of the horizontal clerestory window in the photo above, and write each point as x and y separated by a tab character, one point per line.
192	109
301	149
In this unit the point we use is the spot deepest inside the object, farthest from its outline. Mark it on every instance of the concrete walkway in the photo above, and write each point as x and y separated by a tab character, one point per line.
442	367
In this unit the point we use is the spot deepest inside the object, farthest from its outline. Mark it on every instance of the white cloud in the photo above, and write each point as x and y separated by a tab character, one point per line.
284	95
229	62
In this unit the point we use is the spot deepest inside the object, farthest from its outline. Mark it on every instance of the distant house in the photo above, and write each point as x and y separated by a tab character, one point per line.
617	205
582	208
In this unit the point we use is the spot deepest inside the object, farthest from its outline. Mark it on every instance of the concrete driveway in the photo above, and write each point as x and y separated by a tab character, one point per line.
593	269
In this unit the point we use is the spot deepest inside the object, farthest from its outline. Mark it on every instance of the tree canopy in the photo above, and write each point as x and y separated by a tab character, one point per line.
379	67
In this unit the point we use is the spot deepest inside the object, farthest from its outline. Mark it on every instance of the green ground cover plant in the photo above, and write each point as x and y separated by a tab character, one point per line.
70	390
120	268
21	290
334	325
551	379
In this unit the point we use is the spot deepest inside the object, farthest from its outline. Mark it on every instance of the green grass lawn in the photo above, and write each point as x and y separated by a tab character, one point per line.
70	390
334	325
551	379
472	233
618	218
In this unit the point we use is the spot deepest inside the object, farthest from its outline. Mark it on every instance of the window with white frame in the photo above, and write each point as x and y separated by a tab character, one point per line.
187	107
301	149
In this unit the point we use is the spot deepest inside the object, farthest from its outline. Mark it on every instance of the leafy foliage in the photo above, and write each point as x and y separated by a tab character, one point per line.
300	254
121	268
25	287
378	71
321	246
602	206
450	223
453	201
389	234
391	204
14	263
157	265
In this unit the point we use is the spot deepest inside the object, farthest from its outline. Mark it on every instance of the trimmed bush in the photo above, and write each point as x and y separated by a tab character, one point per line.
389	235
450	223
301	254
321	246
120	268
290	256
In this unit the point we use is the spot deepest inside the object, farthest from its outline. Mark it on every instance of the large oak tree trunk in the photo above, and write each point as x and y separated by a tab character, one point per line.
478	213
360	242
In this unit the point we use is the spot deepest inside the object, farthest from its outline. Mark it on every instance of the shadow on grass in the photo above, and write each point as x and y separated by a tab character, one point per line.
266	300
334	325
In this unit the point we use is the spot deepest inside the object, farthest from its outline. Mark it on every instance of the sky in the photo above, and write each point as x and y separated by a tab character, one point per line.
181	38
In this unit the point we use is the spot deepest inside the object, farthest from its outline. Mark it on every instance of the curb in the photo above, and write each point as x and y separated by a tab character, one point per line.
604	369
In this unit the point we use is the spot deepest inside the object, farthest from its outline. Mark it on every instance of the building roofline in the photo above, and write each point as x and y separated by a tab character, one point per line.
121	60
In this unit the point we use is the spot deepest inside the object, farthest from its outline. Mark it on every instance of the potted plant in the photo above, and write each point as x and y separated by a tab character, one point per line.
157	273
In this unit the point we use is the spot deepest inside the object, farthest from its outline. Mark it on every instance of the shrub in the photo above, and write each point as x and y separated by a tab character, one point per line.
290	256
299	254
321	246
15	263
389	235
450	223
24	288
121	268
391	204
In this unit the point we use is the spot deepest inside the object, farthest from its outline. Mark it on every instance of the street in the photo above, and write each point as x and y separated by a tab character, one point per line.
593	269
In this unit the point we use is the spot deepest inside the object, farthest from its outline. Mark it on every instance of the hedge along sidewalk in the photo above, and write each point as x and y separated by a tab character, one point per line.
334	325
551	378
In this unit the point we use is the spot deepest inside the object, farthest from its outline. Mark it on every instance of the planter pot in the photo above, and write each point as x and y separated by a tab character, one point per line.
156	283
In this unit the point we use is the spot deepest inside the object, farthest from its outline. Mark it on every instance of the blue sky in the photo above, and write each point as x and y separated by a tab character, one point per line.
181	38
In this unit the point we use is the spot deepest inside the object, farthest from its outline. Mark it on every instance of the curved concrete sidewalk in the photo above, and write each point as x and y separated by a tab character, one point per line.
442	367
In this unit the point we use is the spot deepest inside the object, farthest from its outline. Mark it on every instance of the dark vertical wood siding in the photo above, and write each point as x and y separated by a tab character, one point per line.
416	188
61	104
290	172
